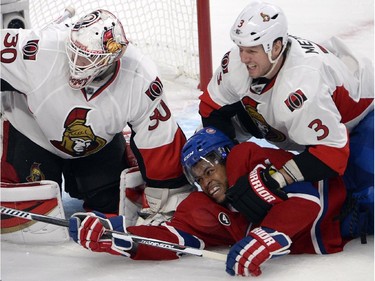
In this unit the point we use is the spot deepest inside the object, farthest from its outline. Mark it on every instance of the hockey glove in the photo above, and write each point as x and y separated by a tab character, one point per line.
254	194
88	230
246	256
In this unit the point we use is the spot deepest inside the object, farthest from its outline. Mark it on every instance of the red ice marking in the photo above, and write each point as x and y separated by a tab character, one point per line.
351	32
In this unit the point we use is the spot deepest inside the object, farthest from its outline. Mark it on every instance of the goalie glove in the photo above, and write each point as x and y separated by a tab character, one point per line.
262	244
88	230
254	194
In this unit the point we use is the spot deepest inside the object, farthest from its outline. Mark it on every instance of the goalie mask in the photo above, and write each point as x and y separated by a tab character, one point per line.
96	41
209	145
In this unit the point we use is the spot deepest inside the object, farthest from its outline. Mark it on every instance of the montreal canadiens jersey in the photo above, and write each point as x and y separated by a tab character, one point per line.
318	94
308	219
76	123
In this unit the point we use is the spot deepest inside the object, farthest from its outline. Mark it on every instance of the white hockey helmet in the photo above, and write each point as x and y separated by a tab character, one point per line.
260	24
96	41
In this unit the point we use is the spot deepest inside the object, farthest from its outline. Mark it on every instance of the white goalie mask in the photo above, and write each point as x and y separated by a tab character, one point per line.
96	41
260	24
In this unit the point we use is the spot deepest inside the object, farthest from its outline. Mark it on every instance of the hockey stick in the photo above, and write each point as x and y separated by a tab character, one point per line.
119	235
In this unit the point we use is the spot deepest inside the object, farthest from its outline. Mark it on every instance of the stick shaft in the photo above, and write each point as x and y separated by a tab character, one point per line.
139	239
34	217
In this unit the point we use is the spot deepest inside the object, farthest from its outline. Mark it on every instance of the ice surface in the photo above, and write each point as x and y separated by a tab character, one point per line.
353	21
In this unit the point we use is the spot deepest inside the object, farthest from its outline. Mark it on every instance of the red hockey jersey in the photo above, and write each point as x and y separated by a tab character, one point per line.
306	216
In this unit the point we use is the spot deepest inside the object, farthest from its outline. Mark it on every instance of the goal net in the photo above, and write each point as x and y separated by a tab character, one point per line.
165	30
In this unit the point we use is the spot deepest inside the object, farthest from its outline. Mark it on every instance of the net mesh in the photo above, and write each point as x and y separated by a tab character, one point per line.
165	30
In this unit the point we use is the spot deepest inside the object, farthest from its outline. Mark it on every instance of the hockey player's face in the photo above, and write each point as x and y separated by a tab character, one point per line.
256	60
212	178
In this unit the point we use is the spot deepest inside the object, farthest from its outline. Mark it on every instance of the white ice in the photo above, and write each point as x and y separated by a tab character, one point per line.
353	21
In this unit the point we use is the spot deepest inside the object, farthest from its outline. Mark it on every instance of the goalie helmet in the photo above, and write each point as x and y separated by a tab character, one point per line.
260	24
208	144
96	41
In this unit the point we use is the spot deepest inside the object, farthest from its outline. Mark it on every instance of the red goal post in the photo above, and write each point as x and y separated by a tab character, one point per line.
176	34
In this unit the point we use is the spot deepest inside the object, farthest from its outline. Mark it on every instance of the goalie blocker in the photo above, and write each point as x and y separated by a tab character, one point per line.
42	197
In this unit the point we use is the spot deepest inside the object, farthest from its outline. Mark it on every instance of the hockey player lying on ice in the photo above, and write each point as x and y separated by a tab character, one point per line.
272	222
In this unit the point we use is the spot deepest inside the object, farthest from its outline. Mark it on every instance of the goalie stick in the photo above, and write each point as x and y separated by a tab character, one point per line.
119	235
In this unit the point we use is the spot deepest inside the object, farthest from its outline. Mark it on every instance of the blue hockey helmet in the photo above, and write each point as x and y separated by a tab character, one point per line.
207	144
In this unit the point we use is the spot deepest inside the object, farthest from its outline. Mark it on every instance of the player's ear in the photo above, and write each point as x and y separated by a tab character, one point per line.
277	48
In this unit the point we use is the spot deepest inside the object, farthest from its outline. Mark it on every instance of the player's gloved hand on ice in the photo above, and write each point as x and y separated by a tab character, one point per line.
88	230
246	256
254	194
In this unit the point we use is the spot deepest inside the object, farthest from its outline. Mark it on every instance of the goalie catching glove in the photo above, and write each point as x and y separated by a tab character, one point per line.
254	194
88	230
262	244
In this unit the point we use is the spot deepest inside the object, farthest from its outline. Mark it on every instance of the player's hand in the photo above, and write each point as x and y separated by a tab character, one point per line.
254	194
88	230
246	256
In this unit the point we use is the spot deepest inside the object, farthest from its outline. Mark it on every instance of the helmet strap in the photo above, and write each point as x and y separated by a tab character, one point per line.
275	61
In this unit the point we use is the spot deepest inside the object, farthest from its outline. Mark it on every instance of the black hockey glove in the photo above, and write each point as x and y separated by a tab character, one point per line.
254	194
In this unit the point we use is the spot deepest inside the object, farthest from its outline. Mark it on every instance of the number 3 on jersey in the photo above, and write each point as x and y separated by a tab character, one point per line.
160	116
318	126
9	53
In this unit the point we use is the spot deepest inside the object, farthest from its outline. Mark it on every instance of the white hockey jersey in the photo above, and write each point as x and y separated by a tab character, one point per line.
312	101
75	123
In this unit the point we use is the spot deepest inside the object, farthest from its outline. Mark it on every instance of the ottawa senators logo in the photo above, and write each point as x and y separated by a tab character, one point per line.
264	128
78	138
295	100
36	173
225	63
30	50
265	17
155	89
109	43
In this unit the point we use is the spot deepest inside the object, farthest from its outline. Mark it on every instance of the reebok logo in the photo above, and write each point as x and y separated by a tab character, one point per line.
259	188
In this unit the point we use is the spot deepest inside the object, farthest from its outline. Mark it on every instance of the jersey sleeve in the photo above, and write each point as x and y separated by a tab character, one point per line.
221	101
156	138
329	91
26	53
156	143
311	216
316	124
302	216
164	233
245	156
295	218
215	224
197	218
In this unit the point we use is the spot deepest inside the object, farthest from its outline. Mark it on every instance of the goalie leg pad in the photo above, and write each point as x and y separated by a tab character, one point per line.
38	197
131	194
163	203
